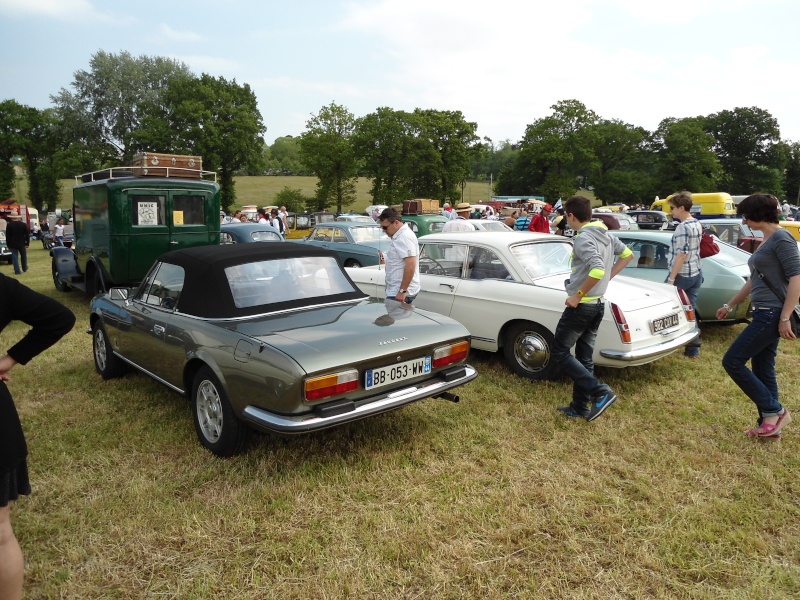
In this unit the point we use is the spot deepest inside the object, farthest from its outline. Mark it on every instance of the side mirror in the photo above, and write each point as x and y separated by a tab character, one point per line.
119	293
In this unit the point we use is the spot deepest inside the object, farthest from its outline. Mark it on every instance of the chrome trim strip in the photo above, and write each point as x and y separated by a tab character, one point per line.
146	372
653	350
267	314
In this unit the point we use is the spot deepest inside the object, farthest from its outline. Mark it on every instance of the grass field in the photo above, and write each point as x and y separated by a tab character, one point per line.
495	497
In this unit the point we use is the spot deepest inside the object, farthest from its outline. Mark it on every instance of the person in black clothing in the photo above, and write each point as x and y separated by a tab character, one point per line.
50	321
18	239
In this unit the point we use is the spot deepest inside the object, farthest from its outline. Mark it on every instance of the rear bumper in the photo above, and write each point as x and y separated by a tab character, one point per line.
652	352
271	422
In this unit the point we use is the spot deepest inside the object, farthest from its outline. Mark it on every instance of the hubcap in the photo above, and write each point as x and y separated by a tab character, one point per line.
100	350
532	352
209	411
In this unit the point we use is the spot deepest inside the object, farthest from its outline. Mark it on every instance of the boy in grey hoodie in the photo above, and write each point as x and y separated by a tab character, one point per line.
593	267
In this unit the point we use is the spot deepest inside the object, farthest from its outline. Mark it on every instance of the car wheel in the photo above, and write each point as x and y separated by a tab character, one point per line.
60	284
528	350
352	263
218	428
107	364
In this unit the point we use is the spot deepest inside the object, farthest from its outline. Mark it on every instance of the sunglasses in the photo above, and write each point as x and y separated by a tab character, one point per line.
385	227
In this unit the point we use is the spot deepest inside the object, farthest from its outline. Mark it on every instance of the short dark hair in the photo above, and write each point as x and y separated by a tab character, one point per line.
579	207
389	214
763	208
683	199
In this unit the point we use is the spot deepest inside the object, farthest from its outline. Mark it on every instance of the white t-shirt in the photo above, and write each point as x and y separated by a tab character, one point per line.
458	224
404	244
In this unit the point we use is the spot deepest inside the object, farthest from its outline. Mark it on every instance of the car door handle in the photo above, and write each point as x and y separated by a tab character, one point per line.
158	329
452	287
174	243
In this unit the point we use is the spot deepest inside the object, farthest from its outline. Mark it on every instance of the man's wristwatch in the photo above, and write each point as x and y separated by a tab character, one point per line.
403	292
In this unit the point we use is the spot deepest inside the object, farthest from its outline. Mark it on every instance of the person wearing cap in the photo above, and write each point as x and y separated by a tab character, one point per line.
540	222
276	221
18	239
460	222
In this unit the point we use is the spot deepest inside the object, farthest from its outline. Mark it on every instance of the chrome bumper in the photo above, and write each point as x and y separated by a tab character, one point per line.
654	351
267	421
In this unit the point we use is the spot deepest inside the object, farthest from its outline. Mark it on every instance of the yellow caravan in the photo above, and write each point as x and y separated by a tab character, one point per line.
712	205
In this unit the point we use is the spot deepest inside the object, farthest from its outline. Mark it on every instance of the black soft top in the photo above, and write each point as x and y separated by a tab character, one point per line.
206	292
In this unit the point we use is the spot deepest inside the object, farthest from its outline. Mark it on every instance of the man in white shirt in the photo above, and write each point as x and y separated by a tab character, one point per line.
461	222
402	258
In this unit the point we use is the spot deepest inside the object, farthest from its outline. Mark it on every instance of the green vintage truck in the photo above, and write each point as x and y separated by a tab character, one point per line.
125	218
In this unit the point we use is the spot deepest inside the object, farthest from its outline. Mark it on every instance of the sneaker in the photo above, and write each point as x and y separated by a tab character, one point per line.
569	411
600	404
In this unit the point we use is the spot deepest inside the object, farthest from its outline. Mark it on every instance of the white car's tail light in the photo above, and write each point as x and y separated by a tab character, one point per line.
687	306
447	355
319	388
622	324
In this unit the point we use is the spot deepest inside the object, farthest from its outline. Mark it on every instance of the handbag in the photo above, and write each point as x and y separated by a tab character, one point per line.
795	318
708	247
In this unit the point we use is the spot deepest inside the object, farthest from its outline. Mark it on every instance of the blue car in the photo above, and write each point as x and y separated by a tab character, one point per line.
244	233
356	244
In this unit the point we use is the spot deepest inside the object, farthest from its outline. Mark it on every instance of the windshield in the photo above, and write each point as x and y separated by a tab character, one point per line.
367	234
436	226
544	258
286	279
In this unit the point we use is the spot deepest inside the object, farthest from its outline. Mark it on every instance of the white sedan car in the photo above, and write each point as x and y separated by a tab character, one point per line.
507	288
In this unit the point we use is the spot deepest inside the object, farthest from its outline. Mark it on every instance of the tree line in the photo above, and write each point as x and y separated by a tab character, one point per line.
123	105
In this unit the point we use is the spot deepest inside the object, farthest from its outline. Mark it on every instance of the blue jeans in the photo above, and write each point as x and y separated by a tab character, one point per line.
691	285
758	343
578	327
16	254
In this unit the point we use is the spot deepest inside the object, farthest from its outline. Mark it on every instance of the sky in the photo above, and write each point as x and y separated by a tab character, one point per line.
502	63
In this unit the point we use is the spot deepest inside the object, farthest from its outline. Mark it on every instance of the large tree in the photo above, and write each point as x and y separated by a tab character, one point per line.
326	148
108	102
29	134
686	160
556	152
623	170
791	177
746	142
218	120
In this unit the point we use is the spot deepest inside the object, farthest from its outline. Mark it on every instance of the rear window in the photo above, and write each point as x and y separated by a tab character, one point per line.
543	259
285	280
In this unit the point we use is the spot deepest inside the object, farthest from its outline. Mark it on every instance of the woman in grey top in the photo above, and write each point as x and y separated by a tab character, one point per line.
778	261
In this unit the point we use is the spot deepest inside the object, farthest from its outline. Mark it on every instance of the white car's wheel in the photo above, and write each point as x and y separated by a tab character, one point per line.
528	350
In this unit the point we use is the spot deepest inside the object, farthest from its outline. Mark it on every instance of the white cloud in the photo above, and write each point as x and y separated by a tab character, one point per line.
179	36
63	10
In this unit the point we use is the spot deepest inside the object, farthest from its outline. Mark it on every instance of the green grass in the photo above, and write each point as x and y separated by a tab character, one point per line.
495	497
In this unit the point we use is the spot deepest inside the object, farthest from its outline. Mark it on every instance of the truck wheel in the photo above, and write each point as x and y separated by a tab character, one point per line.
60	284
528	351
107	364
217	427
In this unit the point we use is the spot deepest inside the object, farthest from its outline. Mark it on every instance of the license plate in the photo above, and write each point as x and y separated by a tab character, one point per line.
665	323
393	373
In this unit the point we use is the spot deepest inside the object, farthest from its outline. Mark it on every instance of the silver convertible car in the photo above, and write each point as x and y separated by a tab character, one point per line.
274	337
507	288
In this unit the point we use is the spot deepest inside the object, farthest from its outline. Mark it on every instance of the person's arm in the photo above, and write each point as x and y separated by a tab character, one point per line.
409	266
624	258
6	362
743	293
792	294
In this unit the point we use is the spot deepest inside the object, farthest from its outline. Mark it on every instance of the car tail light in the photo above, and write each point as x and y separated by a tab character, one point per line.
319	388
447	355
622	324
687	306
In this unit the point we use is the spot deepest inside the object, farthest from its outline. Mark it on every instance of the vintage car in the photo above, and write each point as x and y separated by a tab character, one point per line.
734	232
356	218
615	220
48	242
507	288
356	244
723	274
253	335
425	223
243	233
5	251
652	219
489	225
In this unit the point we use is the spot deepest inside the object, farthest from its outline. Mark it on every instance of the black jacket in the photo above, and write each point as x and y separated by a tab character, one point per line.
17	234
50	321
